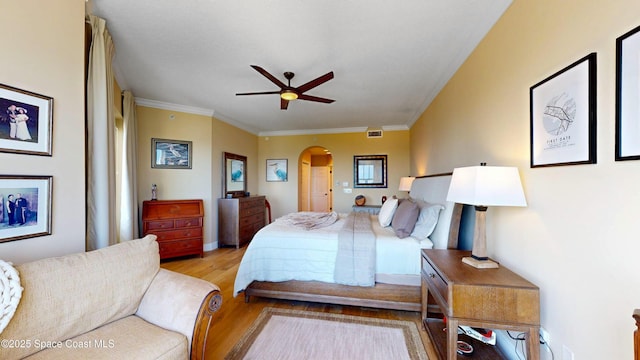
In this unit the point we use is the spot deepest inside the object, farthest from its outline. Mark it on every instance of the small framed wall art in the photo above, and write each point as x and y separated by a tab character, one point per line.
26	207
627	95
370	171
563	116
277	170
171	154
26	120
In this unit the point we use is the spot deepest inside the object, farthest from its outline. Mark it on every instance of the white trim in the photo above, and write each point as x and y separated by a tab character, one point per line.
210	112
330	131
210	246
176	107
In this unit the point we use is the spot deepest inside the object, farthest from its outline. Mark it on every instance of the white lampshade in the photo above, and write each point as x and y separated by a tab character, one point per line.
486	186
405	183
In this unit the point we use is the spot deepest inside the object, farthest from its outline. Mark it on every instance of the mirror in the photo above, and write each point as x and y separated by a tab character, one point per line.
370	171
235	175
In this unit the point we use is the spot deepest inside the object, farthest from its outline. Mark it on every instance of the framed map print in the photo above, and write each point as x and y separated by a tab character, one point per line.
563	116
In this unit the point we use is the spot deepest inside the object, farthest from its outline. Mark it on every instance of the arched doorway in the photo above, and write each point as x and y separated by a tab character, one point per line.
315	176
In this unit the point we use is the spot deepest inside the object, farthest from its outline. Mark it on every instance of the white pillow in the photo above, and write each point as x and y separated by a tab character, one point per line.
427	219
386	212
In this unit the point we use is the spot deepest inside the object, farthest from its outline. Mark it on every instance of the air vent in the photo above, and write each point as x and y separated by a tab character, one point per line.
374	133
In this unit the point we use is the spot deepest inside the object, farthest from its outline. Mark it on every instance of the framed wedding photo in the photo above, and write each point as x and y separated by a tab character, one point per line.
25	211
26	120
277	170
563	116
627	95
171	154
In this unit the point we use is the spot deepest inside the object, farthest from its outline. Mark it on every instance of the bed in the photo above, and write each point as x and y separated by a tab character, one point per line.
299	264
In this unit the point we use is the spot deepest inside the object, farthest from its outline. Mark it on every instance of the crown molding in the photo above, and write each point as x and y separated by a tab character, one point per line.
210	112
361	129
175	107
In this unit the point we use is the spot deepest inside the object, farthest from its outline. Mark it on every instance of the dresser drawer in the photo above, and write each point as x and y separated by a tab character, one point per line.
248	211
190	222
158	224
435	281
177	234
177	248
246	234
250	220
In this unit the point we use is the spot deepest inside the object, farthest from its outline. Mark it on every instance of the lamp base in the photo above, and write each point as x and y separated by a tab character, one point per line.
480	264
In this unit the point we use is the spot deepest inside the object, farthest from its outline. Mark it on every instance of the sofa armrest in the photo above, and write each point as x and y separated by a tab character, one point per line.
181	303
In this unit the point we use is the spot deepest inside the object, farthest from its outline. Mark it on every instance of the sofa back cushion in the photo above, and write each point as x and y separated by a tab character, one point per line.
69	295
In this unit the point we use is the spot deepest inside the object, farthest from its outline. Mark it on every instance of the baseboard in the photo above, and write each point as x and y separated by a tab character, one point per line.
210	246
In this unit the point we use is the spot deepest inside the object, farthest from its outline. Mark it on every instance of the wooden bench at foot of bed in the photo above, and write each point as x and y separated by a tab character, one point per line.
381	296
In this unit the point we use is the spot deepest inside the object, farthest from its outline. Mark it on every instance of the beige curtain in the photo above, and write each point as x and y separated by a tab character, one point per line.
101	224
128	193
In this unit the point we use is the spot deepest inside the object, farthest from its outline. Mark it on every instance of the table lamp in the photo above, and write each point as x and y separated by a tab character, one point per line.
484	186
405	183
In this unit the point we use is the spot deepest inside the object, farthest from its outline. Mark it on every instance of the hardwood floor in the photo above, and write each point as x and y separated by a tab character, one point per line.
235	316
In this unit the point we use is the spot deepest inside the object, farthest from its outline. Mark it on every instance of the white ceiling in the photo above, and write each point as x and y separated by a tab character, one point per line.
390	58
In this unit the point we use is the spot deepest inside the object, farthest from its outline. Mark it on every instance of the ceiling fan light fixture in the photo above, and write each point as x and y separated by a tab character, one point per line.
288	95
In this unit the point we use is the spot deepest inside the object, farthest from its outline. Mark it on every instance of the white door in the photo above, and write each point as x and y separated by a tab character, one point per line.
304	188
320	188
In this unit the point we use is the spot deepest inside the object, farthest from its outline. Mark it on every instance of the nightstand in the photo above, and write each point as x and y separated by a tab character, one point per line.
485	298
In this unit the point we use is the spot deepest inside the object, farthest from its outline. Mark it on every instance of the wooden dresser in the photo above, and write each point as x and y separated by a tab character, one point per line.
239	219
178	225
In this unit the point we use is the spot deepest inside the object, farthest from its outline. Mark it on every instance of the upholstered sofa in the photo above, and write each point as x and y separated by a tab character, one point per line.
112	303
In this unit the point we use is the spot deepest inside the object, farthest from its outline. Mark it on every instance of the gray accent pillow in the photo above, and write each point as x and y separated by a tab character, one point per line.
404	219
427	219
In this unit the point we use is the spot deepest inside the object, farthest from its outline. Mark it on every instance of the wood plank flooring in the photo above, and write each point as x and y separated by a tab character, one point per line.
235	316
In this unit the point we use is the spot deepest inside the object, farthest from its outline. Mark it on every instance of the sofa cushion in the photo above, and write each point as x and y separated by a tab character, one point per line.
67	296
127	338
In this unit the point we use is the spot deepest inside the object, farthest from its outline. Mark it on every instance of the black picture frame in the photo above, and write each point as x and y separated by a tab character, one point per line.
627	94
171	154
563	116
29	217
370	171
26	121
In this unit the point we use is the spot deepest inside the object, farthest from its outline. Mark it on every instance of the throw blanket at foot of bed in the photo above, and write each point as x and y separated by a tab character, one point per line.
356	258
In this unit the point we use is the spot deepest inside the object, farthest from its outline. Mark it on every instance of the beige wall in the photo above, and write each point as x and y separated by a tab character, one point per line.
283	196
578	238
210	138
47	57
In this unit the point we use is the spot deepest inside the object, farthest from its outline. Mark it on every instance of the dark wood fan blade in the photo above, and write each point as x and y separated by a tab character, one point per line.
315	98
269	76
315	82
259	93
284	104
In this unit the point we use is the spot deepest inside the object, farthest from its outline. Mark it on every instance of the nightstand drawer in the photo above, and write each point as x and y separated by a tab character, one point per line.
435	282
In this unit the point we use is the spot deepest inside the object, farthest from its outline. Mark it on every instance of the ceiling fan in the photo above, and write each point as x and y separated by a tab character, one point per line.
288	92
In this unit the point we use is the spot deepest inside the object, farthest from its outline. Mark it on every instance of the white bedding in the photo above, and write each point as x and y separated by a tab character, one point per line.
280	252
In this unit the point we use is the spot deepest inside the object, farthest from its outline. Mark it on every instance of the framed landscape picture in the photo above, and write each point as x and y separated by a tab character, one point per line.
25	121
26	207
563	116
277	170
171	154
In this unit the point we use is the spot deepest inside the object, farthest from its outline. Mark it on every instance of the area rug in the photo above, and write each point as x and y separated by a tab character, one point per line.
295	334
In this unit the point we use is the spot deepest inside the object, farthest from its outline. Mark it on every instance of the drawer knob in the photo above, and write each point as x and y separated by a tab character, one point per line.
432	275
